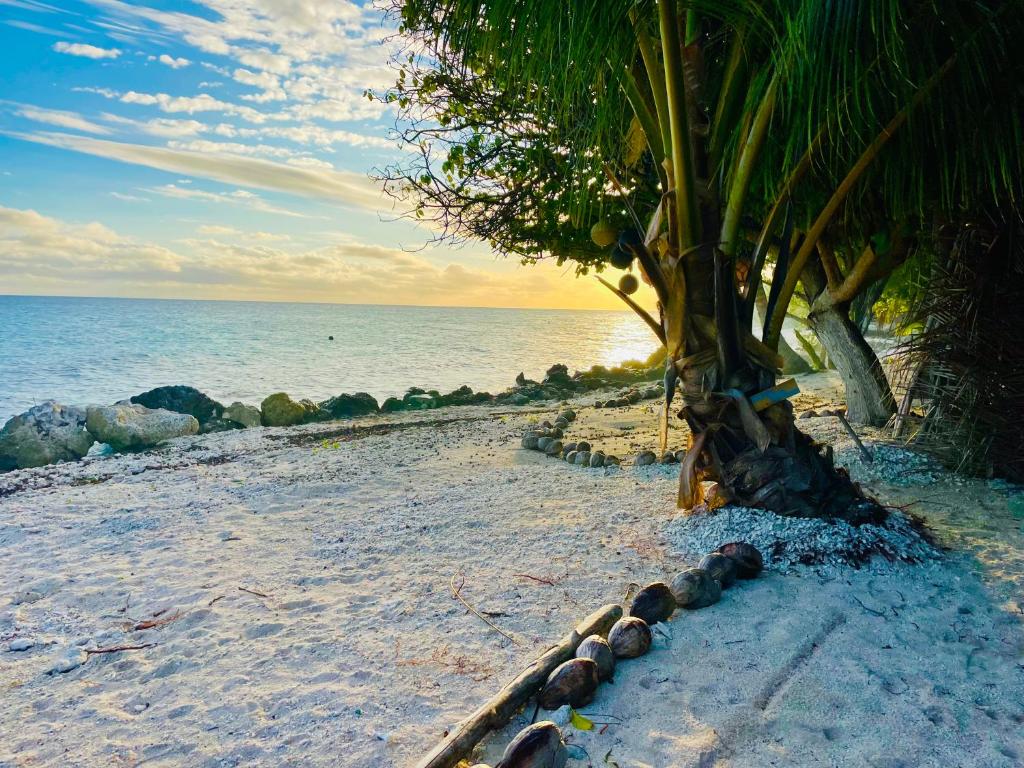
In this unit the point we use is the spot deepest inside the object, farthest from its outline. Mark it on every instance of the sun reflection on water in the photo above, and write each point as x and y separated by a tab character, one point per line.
627	339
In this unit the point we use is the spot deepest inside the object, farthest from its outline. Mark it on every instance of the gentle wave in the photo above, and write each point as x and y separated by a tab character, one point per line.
86	350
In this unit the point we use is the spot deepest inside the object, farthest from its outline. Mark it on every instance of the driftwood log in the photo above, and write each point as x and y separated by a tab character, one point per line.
500	709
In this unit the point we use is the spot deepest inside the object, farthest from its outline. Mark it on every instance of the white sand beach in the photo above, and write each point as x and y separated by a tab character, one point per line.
284	596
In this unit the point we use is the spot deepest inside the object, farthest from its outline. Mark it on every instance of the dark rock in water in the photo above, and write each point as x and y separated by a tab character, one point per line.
182	399
520	379
653	603
279	410
414	391
573	682
629	637
694	588
423	402
596	648
558	369
330	338
45	433
347	406
464	395
537	746
392	405
719	567
748	559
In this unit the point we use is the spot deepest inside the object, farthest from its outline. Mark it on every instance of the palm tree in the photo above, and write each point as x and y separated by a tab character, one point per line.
782	131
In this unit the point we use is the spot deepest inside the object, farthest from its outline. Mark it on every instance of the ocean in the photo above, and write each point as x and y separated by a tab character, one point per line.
96	350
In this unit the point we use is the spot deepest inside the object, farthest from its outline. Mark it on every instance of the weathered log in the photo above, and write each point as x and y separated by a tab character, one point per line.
499	710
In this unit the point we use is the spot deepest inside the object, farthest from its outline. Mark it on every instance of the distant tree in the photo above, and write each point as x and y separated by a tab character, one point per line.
714	138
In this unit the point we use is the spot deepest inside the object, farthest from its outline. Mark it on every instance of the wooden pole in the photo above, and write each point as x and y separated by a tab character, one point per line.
500	708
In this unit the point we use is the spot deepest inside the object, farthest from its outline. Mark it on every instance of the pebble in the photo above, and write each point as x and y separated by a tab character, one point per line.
561	716
20	644
69	659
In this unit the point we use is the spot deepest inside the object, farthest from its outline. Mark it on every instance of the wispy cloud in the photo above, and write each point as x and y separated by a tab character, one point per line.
236	197
59	118
339	187
88	51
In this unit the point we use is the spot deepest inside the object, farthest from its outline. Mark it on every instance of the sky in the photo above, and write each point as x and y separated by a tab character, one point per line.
221	149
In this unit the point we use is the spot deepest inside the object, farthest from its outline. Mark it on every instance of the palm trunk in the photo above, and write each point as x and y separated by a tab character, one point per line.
869	398
791	361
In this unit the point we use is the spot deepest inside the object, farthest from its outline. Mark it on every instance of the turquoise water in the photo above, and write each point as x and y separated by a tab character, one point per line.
82	350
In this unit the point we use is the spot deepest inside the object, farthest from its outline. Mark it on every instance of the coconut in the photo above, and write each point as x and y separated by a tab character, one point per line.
668	458
556	432
603	234
582	457
530	441
582	445
554	448
570	456
630	240
537	746
597	459
628	284
620	259
573	682
568	415
645	457
653	603
694	588
567	448
544	442
747	558
597	649
612	461
561	423
629	637
719	567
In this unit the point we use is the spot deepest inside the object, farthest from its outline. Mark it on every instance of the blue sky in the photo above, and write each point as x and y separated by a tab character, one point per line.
219	149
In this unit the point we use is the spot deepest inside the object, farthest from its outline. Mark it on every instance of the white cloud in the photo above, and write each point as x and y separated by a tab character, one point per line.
60	118
172	62
237	197
162	127
129	198
339	187
33	244
218	230
88	51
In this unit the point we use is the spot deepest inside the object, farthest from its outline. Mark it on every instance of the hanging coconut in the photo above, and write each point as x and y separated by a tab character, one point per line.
694	588
537	746
603	234
596	648
628	284
629	637
719	567
630	240
620	259
573	683
653	603
747	557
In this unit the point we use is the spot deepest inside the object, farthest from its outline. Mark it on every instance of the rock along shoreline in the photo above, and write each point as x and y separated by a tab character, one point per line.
53	432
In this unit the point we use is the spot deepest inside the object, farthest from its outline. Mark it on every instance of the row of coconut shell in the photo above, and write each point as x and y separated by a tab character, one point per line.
575	682
548	438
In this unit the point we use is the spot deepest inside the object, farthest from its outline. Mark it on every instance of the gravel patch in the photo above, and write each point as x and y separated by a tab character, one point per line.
787	542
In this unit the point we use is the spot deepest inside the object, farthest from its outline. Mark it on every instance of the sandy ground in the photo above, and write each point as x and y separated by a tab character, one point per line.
300	579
